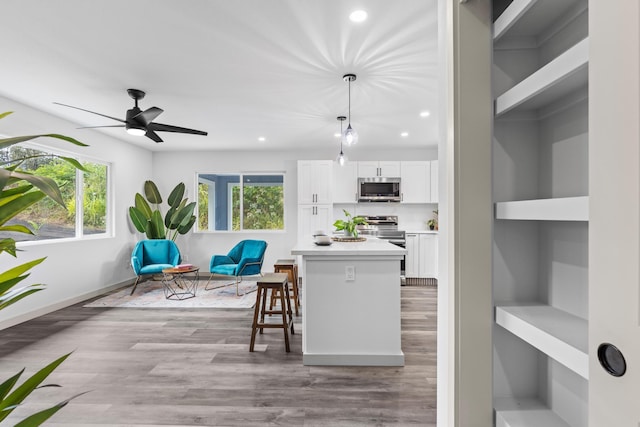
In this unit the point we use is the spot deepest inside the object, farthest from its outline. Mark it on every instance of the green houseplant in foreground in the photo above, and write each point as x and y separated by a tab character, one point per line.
179	217
349	225
18	191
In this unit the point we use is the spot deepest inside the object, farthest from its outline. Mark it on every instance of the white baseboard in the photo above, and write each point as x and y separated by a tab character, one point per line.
4	324
353	359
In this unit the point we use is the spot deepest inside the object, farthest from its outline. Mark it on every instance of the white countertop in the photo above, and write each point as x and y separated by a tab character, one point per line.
372	246
409	231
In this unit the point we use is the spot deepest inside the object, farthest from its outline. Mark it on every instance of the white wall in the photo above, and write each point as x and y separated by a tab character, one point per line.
76	270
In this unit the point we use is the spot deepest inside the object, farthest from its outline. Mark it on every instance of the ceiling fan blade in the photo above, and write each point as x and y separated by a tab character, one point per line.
148	115
152	135
107	126
92	112
159	127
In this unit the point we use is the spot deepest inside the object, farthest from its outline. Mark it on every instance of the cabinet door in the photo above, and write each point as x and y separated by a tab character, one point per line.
345	183
428	255
415	185
412	259
389	169
434	181
367	169
314	181
312	218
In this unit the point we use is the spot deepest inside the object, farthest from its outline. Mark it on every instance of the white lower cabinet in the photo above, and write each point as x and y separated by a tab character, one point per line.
421	260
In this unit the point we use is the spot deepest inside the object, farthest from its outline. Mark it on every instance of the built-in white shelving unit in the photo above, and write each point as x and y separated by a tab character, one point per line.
555	80
554	332
559	209
541	56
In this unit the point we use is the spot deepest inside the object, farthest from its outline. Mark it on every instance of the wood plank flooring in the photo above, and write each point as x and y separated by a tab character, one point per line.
191	367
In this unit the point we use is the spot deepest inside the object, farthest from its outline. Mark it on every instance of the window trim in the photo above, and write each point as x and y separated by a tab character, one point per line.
79	223
241	175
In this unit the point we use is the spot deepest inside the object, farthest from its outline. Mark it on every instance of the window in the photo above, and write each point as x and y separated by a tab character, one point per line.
84	194
237	202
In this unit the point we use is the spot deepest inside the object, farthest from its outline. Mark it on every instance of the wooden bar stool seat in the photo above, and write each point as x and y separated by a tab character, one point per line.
290	267
275	282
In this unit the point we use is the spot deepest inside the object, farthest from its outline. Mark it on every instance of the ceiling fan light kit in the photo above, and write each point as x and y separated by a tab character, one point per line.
350	136
140	122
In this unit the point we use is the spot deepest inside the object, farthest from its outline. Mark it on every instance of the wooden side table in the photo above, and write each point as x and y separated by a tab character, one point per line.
179	286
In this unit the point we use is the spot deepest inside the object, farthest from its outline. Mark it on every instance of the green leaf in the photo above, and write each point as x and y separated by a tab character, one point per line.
176	195
20	269
10	283
157	226
175	216
45	184
186	227
73	162
142	205
21	189
17	228
20	393
138	219
40	417
14	207
8	245
5	114
7	142
6	386
16	295
151	193
5	176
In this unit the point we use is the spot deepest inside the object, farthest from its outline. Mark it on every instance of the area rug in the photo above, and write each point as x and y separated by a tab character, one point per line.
151	295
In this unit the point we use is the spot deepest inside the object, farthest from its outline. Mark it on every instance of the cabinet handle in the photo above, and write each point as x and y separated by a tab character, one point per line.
355	196
401	197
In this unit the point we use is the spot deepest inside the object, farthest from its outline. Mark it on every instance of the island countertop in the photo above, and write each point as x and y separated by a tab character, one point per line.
371	246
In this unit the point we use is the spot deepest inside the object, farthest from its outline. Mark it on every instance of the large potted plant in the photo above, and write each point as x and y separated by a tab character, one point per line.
18	191
179	218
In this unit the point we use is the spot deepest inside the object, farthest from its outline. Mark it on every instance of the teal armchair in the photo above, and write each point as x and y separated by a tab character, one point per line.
153	256
244	259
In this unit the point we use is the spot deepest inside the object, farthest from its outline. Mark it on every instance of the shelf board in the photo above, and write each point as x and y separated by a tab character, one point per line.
558	209
530	17
563	75
558	334
512	412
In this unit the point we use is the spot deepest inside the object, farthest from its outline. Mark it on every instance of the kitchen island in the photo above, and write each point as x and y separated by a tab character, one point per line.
351	303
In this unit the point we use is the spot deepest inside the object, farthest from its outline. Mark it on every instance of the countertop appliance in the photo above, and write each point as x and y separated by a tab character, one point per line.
379	189
384	227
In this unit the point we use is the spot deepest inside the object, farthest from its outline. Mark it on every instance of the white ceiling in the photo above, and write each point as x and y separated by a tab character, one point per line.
237	69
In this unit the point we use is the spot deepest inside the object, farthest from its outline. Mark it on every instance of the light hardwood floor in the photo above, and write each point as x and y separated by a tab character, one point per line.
192	367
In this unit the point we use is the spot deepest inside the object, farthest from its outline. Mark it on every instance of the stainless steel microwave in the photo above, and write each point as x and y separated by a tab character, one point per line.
379	189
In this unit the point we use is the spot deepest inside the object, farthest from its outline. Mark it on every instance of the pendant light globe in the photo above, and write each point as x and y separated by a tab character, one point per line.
349	136
341	159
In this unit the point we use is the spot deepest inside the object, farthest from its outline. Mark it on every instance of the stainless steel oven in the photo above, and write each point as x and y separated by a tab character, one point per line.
385	227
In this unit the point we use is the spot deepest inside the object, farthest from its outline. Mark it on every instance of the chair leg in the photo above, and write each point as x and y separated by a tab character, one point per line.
206	288
135	285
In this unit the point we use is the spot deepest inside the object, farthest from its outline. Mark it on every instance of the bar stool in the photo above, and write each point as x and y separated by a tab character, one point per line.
275	282
290	267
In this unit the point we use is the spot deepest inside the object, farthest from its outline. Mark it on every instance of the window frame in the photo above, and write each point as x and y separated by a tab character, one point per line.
241	175
79	214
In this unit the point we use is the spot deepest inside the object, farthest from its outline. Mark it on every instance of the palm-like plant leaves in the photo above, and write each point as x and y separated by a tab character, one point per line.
175	197
152	193
10	401
42	416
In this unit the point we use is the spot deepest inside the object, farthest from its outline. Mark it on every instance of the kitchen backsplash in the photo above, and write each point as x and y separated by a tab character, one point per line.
410	217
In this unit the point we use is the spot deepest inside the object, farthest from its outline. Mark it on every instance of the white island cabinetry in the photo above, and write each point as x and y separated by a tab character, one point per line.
351	303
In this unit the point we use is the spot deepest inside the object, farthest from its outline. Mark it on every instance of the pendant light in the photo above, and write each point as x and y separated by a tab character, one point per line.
341	157
350	136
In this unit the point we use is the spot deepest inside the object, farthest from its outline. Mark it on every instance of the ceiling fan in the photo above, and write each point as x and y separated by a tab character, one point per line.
140	122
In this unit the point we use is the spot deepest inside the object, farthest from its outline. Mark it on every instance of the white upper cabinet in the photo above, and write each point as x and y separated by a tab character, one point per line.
388	169
315	181
345	183
434	180
416	182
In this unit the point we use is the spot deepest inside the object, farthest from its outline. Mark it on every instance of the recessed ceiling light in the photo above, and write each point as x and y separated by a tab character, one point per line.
425	114
358	16
262	139
404	134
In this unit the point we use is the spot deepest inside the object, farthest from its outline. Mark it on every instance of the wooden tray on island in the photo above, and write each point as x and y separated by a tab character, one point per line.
349	239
